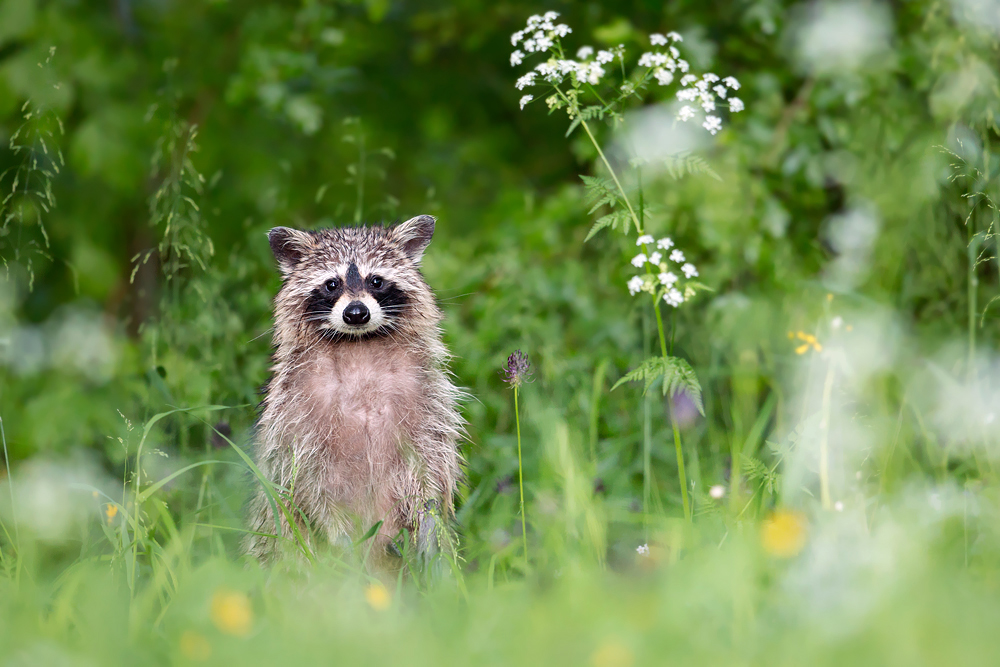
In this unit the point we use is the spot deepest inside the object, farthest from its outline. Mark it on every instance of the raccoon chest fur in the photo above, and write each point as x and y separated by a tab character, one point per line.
366	395
360	404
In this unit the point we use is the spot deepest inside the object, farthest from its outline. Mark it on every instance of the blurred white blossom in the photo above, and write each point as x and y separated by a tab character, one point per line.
635	285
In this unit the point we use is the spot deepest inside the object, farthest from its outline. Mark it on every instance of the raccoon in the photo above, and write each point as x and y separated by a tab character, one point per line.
359	420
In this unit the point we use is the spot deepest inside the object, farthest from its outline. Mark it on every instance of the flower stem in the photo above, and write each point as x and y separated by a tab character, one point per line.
614	176
824	442
10	487
678	446
520	479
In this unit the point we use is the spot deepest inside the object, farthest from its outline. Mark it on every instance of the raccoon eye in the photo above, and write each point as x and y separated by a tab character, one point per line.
331	285
376	282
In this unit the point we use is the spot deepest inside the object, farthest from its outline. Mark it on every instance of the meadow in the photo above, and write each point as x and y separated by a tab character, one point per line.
749	251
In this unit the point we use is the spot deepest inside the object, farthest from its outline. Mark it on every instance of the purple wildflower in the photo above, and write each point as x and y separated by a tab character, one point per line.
518	369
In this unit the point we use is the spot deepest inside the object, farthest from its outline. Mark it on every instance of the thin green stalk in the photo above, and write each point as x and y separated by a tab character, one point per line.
647	437
678	446
614	176
824	442
10	487
973	285
520	479
595	408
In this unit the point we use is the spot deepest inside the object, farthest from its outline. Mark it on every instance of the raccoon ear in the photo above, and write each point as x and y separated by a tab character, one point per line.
288	246
415	234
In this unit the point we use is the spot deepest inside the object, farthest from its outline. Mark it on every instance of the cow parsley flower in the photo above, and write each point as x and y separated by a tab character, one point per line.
705	93
524	100
605	56
655	258
584	52
674	37
516	58
525	81
635	285
656	39
642	549
639	260
673	297
516	37
677	256
689	270
590	72
645	238
667	278
666	243
550	72
562	30
663	77
717	491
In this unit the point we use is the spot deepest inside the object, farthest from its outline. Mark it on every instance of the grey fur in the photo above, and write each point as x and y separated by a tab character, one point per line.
363	428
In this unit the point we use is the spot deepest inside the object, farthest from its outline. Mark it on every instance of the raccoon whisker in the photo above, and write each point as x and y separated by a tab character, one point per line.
262	334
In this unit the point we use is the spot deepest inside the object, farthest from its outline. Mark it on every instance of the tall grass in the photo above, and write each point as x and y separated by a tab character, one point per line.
806	475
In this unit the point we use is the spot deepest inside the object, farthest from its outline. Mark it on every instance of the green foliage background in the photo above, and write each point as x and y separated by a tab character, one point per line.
241	116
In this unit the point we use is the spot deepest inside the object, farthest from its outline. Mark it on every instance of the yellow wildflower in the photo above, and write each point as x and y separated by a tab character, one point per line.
612	654
110	511
809	341
194	646
378	596
783	534
231	613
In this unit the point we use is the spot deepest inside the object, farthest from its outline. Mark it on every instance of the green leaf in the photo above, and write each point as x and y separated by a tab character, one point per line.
573	125
685	164
612	220
676	373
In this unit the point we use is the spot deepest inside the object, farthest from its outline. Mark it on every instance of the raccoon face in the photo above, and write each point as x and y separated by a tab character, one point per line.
353	283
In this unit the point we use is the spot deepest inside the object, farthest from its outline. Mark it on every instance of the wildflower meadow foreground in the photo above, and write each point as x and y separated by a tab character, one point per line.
719	288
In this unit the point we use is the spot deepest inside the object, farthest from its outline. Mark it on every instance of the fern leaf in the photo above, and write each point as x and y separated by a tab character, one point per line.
676	374
685	164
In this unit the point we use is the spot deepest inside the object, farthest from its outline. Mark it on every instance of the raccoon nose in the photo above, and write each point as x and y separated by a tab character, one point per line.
356	313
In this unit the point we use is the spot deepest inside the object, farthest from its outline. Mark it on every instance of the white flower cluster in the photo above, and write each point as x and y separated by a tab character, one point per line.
705	92
540	36
664	65
665	278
